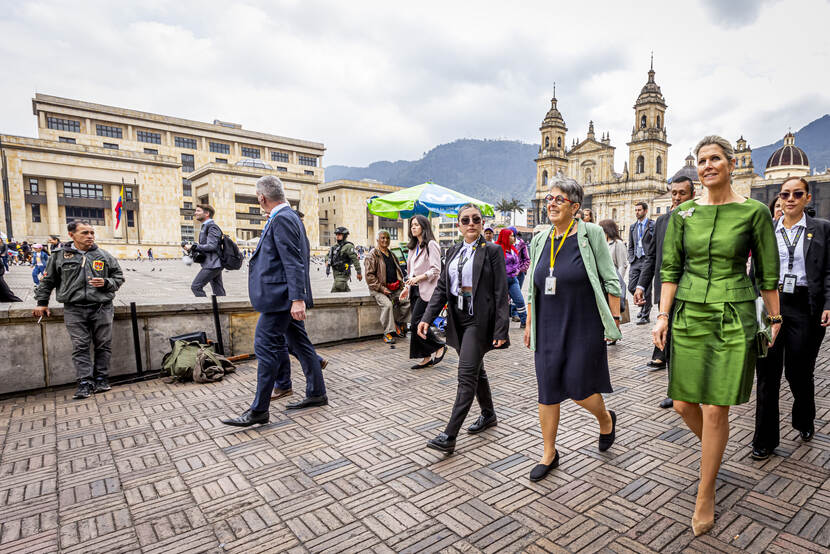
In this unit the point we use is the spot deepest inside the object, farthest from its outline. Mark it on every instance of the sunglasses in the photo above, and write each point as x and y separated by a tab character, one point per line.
476	219
797	195
558	199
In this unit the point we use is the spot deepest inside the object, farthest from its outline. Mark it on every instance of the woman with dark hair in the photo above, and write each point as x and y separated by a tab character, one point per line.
588	216
512	264
619	255
473	284
423	265
775	208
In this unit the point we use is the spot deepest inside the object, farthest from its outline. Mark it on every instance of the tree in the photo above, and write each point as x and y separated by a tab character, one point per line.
507	207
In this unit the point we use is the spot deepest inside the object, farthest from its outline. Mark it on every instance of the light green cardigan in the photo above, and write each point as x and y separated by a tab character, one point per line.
598	264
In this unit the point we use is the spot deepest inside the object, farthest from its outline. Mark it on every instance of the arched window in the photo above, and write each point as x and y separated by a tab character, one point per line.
547	143
559	142
659	165
614	214
643	122
545	178
641	164
658	122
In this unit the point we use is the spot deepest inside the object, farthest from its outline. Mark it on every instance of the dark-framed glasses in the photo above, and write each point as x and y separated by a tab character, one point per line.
476	219
797	194
558	199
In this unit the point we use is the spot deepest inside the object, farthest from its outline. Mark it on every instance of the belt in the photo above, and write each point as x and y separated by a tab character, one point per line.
86	305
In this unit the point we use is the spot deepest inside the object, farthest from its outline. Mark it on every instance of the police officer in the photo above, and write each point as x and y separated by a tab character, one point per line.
86	279
341	259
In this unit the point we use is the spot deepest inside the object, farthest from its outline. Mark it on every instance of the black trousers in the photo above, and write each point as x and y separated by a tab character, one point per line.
472	379
418	347
205	276
794	352
633	277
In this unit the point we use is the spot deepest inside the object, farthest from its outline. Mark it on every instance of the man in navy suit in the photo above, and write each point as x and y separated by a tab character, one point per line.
280	290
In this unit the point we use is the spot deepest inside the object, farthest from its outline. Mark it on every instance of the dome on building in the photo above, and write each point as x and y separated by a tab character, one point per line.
788	155
689	170
252	162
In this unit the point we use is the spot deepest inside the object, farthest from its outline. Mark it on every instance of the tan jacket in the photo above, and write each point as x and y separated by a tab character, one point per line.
375	271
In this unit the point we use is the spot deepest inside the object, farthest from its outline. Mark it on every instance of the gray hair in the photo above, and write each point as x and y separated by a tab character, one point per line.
717	141
568	186
383	232
271	188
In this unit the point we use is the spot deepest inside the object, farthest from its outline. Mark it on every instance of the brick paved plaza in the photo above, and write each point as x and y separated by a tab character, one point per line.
148	468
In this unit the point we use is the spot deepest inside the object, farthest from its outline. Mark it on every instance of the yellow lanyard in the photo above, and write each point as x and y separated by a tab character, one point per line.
552	254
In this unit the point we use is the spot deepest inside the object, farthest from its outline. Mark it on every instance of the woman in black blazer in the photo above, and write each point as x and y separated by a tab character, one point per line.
477	320
804	290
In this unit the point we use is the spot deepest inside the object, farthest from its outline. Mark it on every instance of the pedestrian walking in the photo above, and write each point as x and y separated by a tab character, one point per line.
385	280
617	250
639	237
54	243
574	306
804	291
506	241
39	259
86	278
280	290
423	266
341	259
473	284
6	294
206	253
524	264
714	329
150	254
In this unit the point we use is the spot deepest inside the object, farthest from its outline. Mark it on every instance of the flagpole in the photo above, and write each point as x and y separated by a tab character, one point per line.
121	216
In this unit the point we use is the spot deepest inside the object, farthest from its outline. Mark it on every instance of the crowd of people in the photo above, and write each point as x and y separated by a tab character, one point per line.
741	292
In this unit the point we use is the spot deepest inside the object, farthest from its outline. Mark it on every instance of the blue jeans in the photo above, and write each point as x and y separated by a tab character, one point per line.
515	292
521	277
37	273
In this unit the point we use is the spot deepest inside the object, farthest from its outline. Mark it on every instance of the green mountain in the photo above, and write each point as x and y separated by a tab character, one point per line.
485	169
813	138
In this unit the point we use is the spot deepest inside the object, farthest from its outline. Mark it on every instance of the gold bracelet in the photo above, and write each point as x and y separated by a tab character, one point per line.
663	314
775	319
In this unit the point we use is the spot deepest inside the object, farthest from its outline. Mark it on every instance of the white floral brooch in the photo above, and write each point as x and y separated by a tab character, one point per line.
686	213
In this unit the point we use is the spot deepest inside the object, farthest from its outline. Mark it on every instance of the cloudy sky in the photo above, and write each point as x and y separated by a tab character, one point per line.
378	80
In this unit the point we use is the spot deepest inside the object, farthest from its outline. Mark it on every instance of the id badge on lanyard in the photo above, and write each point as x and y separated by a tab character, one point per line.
550	280
789	283
550	284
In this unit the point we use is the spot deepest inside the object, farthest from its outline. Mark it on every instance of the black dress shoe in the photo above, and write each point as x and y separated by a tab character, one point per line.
760	453
438	359
807	436
666	403
308	402
482	423
642	321
654	364
247	419
541	470
443	443
607	439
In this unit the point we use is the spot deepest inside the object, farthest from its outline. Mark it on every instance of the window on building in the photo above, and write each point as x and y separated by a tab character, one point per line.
34	186
60	124
281	168
220	148
111	145
254	210
188	163
221	160
643	122
188	205
559	142
187	233
83	190
108	131
148	136
547	142
151	151
641	164
393	232
588	176
128	194
308	172
35	213
545	178
658	209
184	142
659	165
187	187
250	152
68	140
658	122
279	156
130	218
95	216
614	214
308	160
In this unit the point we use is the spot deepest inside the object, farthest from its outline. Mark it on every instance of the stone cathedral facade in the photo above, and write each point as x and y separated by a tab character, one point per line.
591	161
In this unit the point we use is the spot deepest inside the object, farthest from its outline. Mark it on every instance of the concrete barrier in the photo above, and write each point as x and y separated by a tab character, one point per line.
37	356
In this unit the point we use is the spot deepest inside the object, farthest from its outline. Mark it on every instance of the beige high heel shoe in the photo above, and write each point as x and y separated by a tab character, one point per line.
701	527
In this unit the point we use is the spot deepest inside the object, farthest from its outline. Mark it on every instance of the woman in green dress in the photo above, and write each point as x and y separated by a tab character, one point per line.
713	346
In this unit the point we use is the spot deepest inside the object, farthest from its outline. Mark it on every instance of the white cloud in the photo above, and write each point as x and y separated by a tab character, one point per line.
378	80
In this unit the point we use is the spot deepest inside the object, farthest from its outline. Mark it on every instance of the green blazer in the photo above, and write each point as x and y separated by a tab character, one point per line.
598	264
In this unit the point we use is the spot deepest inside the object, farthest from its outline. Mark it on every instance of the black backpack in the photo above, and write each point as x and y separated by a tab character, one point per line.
336	261
229	253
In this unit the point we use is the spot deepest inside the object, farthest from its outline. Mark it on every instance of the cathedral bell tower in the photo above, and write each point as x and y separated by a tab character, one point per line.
552	159
648	149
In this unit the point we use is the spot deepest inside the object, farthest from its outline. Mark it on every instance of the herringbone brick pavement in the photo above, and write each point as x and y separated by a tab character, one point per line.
148	468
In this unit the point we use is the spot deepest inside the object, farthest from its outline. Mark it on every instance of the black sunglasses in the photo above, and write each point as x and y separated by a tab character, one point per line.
797	194
476	219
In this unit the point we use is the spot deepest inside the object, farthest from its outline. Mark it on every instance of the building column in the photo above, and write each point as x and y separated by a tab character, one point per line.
52	208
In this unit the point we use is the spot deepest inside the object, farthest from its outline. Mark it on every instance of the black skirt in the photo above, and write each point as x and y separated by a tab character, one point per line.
418	347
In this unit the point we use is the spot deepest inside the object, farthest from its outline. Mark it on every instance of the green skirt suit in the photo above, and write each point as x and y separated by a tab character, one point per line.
713	331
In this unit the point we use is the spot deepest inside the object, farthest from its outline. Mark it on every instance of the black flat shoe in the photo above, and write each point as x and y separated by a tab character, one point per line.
247	419
422	366
607	439
760	453
541	470
437	360
666	403
807	436
656	365
443	443
481	424
308	402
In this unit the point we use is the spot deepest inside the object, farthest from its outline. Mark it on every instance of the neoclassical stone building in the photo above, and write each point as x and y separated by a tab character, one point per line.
591	161
84	152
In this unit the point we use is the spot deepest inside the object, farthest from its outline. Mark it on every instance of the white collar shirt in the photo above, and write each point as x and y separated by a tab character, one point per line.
466	252
799	269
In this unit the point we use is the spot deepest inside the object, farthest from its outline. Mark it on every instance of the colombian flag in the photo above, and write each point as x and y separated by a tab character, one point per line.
118	207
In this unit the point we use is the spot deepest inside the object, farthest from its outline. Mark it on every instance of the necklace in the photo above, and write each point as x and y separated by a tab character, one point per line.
557	237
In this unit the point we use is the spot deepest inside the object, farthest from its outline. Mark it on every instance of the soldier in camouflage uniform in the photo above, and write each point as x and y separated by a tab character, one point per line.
340	260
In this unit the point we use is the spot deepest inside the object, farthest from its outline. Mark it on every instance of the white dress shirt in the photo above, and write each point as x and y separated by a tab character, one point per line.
799	269
466	251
